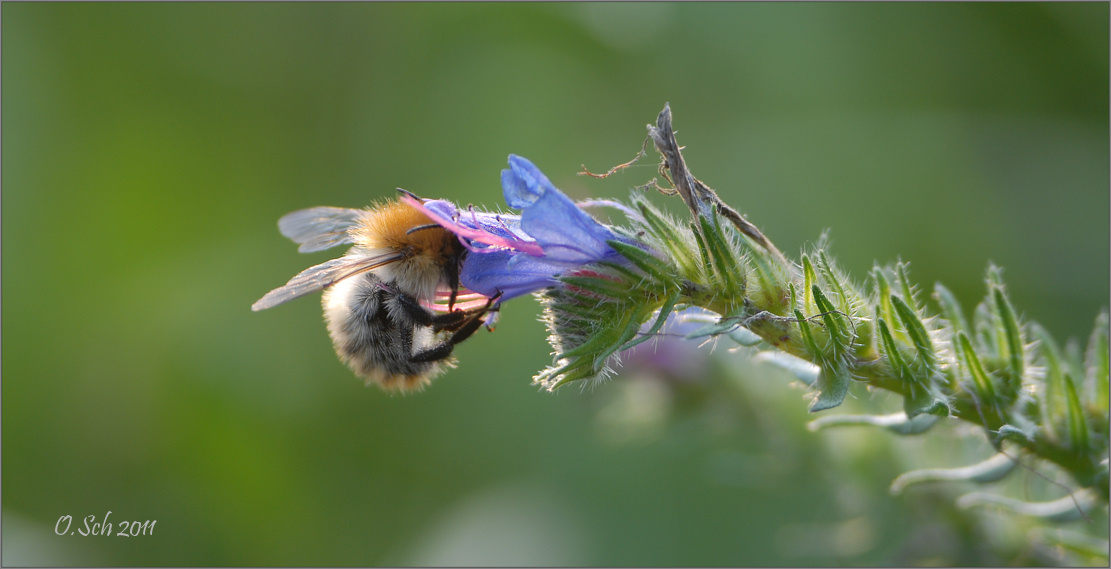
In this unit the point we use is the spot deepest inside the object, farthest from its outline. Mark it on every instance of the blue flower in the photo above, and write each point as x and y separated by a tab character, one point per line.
518	254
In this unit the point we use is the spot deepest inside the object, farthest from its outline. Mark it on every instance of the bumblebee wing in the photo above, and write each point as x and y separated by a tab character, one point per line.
320	277
319	228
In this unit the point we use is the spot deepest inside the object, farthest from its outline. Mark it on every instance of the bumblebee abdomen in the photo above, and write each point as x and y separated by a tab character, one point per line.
373	338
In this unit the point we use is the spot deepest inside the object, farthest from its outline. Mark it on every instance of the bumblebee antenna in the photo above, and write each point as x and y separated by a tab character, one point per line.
421	227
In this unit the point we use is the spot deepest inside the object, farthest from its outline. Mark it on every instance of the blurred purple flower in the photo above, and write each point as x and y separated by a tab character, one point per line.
519	254
671	355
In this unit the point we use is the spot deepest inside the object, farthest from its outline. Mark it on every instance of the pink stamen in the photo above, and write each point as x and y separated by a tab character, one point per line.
462	296
504	225
467	245
465	299
468	305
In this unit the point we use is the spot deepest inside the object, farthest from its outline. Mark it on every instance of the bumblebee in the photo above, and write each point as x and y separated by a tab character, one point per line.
383	300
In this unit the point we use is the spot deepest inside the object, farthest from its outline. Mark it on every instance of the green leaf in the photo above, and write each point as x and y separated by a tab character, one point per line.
1078	426
924	399
665	311
906	286
568	370
917	399
721	255
803	370
1052	400
991	326
883	291
809	279
704	252
597	342
808	337
585	305
771	279
950	308
1067	509
990	470
744	336
628	334
600	286
839	333
1012	333
1097	363
1022	435
668	235
714	329
833	386
985	389
644	260
642	281
1092	551
898	423
891	350
917	333
834	281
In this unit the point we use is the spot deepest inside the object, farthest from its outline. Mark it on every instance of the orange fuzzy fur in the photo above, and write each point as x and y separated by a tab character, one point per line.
386	227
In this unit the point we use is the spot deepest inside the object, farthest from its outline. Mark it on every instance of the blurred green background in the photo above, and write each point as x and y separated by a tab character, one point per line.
148	150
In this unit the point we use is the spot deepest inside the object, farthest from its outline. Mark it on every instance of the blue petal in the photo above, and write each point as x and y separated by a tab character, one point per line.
523	183
512	274
566	232
515	255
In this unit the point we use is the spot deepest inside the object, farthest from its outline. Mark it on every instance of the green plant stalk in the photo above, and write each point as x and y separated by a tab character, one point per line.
975	371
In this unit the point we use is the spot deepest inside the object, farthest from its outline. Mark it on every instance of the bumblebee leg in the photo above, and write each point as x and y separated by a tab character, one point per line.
457	319
449	321
444	349
463	331
435	353
425	317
